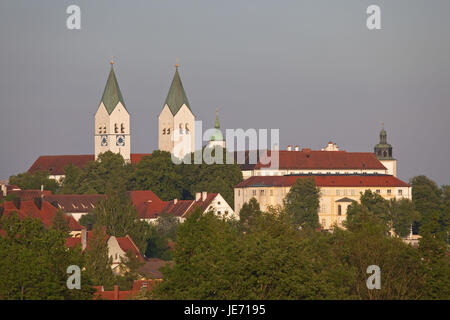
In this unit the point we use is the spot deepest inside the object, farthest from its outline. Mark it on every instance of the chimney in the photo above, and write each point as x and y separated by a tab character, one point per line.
289	148
42	190
4	190
296	148
175	201
197	196
83	239
204	195
116	292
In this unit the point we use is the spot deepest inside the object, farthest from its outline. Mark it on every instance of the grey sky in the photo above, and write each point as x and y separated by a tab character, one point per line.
310	68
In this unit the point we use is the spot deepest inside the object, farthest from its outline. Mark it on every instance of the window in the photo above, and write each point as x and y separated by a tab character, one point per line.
104	128
100	129
389	191
116	128
181	128
122	128
168	131
378	191
400	192
186	127
218	203
345	192
254	192
324	223
261	192
339	210
352	192
324	208
338	192
164	131
271	192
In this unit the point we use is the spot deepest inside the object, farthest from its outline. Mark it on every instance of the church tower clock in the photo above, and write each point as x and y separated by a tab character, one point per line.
112	121
383	152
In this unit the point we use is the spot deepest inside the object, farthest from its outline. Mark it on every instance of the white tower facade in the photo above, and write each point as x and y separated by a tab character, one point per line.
176	122
112	121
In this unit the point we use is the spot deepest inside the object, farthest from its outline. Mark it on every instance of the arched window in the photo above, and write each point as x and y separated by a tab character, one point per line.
122	128
384	154
164	131
168	130
116	128
104	128
100	129
186	127
339	210
181	128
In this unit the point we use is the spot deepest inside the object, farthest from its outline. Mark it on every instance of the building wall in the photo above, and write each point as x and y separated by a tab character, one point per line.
328	209
165	121
115	252
269	172
391	166
184	117
222	208
119	116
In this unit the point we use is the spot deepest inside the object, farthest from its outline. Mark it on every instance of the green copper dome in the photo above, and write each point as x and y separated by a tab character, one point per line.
217	136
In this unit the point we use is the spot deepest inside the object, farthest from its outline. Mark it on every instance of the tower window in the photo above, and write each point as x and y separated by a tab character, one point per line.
339	210
164	131
100	129
181	128
116	128
186	127
168	131
104	128
122	128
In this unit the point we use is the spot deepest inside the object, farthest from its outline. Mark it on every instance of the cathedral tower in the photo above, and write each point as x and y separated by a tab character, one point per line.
217	138
176	122
112	121
383	152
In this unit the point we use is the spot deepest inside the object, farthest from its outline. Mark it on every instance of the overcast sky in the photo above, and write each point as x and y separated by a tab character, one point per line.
308	67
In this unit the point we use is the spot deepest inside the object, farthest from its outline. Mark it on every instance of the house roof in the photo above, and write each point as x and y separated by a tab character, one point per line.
46	213
152	267
112	95
308	159
148	204
176	96
325	181
74	202
127	244
56	164
25	195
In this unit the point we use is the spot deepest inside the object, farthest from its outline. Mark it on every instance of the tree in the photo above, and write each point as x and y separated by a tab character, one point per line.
60	222
34	181
130	265
302	203
35	260
403	214
98	261
159	174
426	196
249	213
160	235
107	172
120	218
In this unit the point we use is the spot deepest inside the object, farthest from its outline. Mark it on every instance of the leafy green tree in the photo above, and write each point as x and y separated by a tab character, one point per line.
107	172
98	261
35	260
426	196
249	213
130	265
60	222
403	214
302	203
120	217
160	235
34	181
159	174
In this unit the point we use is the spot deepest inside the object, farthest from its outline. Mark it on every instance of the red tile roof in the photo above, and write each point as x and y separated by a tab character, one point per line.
308	159
127	244
56	164
325	181
148	204
26	195
46	214
116	294
179	208
74	202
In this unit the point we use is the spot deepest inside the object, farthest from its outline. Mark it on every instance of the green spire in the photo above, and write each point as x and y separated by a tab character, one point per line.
176	96
112	95
217	136
217	125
